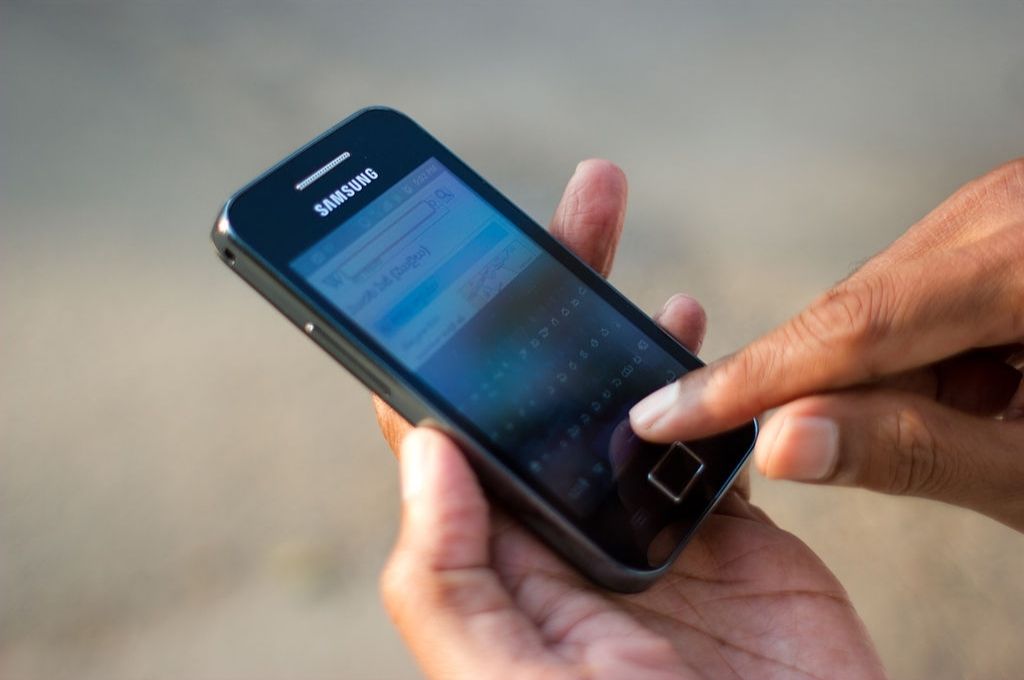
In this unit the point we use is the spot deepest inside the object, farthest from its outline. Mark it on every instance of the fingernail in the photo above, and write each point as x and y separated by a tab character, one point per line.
415	450
668	303
805	449
651	408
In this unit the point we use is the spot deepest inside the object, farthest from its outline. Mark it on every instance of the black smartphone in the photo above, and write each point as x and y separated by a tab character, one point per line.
461	312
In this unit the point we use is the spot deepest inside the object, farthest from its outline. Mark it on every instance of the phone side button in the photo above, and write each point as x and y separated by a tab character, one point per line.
346	358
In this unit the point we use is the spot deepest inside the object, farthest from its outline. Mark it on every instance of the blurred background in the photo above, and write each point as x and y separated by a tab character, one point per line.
190	489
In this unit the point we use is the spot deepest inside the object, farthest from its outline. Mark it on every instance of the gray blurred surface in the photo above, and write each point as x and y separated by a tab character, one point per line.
188	488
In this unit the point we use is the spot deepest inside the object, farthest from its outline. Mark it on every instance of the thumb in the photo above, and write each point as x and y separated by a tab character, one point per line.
444	515
899	443
438	586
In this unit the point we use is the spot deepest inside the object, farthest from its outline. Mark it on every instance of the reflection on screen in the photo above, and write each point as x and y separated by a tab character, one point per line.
512	339
419	262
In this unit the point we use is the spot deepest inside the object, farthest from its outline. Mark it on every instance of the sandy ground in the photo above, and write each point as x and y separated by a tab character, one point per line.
188	489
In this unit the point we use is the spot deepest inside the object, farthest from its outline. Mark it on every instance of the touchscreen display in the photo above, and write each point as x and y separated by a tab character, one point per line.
496	325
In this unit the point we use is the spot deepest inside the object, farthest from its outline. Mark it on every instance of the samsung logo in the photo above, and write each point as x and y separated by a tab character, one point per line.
345	192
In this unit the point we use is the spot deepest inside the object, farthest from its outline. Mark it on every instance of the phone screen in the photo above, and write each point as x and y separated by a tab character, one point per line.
493	323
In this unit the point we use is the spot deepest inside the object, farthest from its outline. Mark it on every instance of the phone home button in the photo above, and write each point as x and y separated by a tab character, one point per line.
676	472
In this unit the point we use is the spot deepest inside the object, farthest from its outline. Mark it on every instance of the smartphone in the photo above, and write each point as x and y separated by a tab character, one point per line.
461	312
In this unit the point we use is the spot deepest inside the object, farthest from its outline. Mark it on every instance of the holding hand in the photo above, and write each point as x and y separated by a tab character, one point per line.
476	596
904	378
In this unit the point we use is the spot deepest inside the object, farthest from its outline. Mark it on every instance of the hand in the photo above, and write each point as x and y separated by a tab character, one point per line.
904	378
476	596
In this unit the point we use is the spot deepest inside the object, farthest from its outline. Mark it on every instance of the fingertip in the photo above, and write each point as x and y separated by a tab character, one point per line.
418	438
676	411
681	303
415	457
684	318
600	168
649	416
428	457
599	192
799	448
591	213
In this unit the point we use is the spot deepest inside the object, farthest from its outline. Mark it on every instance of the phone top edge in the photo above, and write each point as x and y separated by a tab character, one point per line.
373	108
221	234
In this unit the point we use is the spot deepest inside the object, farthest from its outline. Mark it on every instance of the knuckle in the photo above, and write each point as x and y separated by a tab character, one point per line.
980	202
460	519
748	370
387	581
393	585
912	462
842	326
756	365
979	207
1006	181
849	318
462	591
404	590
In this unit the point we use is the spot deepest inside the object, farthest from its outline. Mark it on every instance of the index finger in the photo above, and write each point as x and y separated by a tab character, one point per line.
864	329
